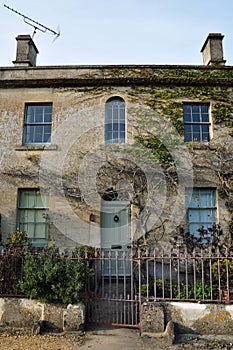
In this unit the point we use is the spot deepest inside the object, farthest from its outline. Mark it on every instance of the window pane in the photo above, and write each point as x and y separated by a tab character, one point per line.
187	128
196	136
205	118
28	134
108	127
122	127
48	118
115	127
46	138
188	138
40	216
187	108
108	135
187	117
204	109
29	216
47	129
27	199
29	228
205	128
40	231
122	115
115	114
122	136
196	127
115	135
195	109
196	118
38	138
205	137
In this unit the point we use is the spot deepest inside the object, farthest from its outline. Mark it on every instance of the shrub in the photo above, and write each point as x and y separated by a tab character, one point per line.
164	291
18	239
161	290
223	263
52	277
202	291
11	262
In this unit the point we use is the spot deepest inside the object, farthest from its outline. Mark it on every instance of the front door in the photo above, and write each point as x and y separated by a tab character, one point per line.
115	237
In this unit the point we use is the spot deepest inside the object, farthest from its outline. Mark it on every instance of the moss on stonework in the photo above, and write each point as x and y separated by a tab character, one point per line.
169	102
223	113
169	74
157	147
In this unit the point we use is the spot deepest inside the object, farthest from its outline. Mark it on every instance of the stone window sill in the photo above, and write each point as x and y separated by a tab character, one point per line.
48	147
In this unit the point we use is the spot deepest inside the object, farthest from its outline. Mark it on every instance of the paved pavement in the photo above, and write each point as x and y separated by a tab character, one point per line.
112	338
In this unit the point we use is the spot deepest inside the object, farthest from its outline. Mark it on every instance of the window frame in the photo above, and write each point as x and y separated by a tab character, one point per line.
195	206
115	120
197	123
29	138
34	212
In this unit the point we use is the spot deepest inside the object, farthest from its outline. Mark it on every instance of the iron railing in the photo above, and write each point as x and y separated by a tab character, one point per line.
143	275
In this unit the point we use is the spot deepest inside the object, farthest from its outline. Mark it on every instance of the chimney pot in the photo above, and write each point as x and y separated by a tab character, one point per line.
26	52
212	50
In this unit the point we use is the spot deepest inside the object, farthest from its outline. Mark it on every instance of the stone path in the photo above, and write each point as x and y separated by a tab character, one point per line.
112	338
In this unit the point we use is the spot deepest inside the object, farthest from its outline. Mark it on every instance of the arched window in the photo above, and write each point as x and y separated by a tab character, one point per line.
115	120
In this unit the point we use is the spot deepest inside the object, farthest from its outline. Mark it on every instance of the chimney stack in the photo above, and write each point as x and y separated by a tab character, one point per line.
212	50
26	51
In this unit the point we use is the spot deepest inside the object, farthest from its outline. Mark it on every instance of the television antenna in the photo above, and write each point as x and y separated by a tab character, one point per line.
35	24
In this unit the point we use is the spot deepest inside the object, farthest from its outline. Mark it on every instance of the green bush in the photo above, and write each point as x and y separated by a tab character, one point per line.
51	277
18	239
161	290
225	265
202	292
182	294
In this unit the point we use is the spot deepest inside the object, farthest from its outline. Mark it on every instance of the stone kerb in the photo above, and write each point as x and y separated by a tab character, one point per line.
29	315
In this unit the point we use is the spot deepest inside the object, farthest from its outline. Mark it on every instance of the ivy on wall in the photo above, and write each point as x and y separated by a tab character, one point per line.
169	102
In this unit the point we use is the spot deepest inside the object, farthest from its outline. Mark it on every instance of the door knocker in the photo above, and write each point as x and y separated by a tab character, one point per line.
116	218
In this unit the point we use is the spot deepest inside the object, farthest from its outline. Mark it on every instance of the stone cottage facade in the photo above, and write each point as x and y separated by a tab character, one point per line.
117	155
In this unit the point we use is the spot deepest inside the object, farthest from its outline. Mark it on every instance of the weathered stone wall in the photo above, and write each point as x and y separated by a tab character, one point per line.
187	317
155	316
25	314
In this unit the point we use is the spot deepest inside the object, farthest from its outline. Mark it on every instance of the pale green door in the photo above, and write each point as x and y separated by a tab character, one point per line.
115	237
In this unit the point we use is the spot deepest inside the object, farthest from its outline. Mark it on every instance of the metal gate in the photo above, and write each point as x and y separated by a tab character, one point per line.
112	293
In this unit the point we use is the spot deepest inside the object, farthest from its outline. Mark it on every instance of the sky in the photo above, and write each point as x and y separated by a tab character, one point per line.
117	32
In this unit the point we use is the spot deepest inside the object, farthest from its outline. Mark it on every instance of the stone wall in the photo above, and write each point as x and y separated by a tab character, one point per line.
27	314
187	317
78	135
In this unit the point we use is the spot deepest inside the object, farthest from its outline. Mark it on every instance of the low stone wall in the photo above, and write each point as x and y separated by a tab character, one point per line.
187	317
28	314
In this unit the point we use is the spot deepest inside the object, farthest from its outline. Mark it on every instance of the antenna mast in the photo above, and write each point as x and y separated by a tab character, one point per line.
34	24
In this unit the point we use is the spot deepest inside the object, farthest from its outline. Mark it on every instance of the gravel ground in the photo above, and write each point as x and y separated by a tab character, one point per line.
192	342
10	341
14	341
